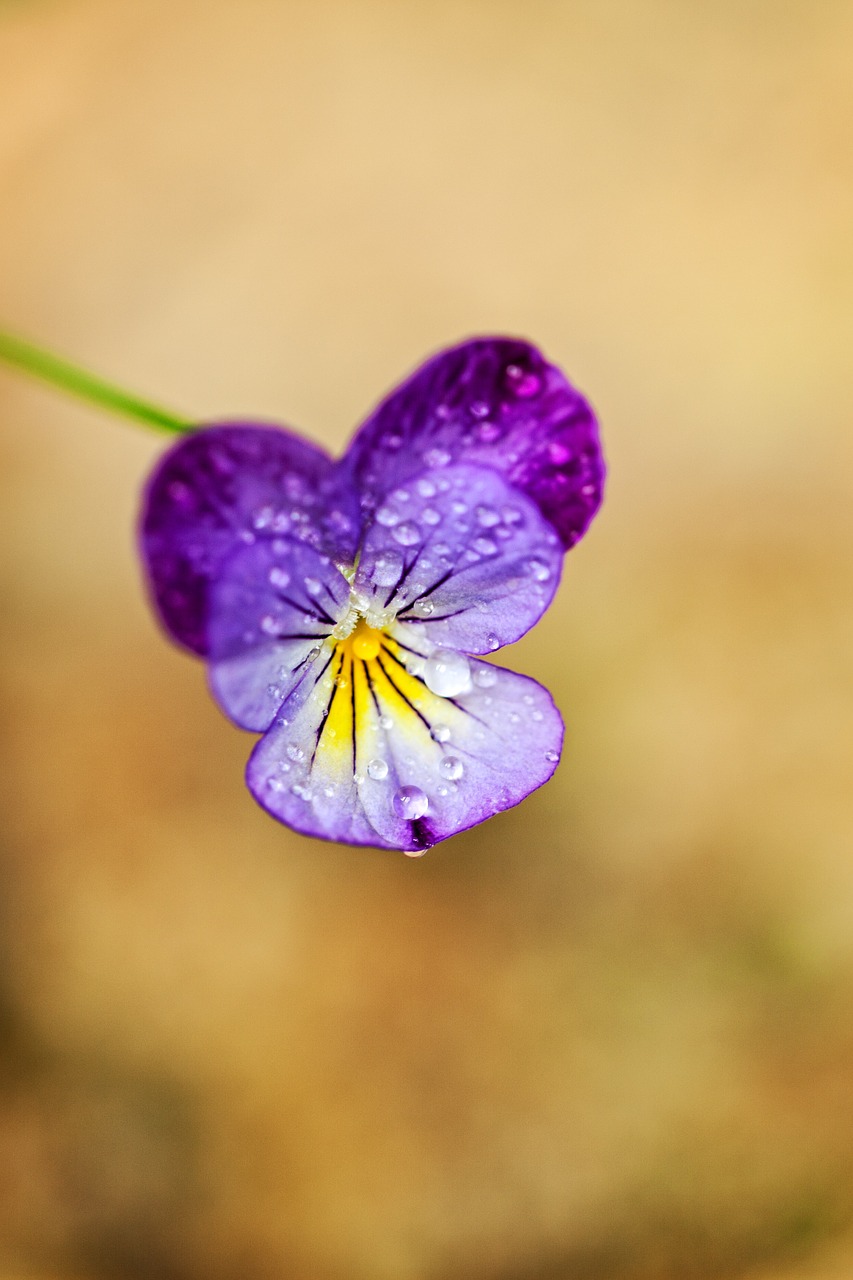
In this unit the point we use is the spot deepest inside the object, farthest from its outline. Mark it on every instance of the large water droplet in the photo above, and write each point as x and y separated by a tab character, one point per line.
410	803
377	769
492	641
451	767
552	756
447	673
423	608
387	516
440	732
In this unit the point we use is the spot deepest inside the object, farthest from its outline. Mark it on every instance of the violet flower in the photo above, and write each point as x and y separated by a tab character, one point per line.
343	608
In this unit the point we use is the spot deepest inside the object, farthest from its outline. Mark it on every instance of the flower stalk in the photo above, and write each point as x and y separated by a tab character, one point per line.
87	386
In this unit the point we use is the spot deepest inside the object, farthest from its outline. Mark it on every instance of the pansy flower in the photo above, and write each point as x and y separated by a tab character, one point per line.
346	608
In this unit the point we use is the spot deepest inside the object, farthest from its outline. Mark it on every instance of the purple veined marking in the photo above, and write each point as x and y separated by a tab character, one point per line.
344	608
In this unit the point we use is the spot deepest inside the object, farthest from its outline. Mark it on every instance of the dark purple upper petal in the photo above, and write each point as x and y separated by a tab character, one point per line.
461	558
228	486
495	401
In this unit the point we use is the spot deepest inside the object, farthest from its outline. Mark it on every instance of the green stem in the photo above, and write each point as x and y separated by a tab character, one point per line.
59	373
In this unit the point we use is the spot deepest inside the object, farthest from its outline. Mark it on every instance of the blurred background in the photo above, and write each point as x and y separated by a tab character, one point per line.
609	1034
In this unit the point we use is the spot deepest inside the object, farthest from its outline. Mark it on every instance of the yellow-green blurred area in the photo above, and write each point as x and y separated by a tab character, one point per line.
608	1035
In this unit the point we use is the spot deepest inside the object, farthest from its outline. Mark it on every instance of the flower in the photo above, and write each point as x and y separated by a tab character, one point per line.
343	608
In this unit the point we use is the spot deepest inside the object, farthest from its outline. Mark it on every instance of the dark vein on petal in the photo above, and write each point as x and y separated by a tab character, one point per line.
399	691
321	615
352	687
328	709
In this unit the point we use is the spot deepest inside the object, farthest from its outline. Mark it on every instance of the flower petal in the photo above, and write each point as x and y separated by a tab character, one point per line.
461	558
454	762
303	769
271	610
366	753
223	487
495	401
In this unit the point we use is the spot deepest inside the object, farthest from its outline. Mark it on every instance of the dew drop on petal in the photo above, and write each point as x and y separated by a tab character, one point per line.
485	677
414	853
377	769
538	570
425	487
447	673
488	432
423	608
385	722
430	516
485	546
294	752
279	578
487	517
387	516
551	756
440	732
313	586
492	641
388	568
410	803
451	767
436	457
407	534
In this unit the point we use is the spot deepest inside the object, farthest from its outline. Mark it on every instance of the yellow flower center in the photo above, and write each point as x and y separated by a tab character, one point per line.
366	641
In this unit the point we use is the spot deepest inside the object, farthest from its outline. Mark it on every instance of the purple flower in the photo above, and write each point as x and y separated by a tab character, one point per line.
343	607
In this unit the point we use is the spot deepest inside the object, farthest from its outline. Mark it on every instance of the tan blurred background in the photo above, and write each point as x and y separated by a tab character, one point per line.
609	1034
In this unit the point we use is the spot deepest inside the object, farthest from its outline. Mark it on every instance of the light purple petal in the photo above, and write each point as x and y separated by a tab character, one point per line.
272	608
303	769
366	753
227	486
495	401
461	558
454	761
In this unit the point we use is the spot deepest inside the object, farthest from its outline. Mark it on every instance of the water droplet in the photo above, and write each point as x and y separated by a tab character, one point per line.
329	791
431	516
479	409
452	767
492	641
488	432
387	516
423	608
441	733
294	752
385	722
410	803
485	546
407	534
485	677
528	699
522	384
279	578
425	487
558	452
537	716
441	549
388	568
313	586
447	673
511	515
270	625
458	507
414	853
487	517
552	756
377	769
436	457
538	570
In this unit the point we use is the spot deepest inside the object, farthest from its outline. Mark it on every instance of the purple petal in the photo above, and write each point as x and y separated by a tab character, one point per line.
275	604
461	558
303	769
227	486
453	762
495	401
365	752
